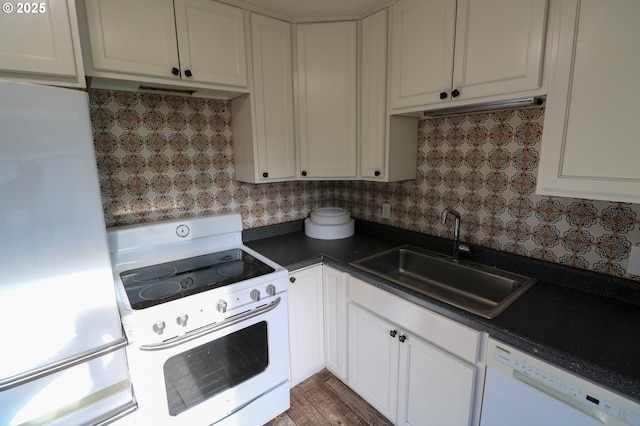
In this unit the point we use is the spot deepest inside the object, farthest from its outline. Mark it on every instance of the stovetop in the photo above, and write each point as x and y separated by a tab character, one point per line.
161	283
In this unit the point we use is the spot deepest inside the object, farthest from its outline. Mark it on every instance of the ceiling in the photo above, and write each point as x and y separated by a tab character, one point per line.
313	10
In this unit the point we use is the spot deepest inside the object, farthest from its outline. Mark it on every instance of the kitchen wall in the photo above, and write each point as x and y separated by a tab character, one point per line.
162	157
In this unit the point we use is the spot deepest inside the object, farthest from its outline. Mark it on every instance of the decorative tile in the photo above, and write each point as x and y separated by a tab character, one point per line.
485	165
163	157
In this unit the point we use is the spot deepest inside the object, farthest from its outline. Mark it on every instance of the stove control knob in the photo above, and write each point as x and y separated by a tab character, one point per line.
222	306
255	295
182	320
158	327
271	290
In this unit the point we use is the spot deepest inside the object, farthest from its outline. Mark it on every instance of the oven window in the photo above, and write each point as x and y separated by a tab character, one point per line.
200	373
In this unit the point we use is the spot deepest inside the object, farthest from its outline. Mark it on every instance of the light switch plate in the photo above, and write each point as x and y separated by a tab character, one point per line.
386	210
634	261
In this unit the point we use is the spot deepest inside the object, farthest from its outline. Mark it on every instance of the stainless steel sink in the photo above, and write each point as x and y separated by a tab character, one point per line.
476	288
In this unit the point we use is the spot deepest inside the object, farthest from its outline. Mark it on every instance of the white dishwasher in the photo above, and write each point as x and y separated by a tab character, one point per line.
524	391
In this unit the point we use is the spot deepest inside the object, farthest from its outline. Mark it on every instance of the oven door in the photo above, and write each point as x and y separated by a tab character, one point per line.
211	373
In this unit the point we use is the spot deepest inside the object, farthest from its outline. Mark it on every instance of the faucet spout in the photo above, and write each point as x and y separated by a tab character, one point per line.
457	247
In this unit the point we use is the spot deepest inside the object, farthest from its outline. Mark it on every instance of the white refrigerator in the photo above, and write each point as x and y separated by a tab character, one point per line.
62	359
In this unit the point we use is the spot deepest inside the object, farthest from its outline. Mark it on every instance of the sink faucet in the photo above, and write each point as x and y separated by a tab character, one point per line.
457	246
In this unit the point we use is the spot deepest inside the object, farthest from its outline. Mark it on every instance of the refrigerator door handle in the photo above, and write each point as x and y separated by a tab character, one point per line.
37	373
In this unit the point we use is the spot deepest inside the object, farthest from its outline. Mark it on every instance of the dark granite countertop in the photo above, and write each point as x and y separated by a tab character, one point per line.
584	322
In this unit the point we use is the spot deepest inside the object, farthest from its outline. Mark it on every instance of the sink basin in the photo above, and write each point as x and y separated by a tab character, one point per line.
478	289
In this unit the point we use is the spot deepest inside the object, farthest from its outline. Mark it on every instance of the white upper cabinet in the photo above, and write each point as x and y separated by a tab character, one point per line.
499	46
211	42
263	129
373	110
39	43
388	144
590	145
447	53
134	37
423	33
183	42
326	100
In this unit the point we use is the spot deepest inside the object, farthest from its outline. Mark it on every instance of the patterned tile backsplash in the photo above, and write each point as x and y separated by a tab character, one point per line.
162	157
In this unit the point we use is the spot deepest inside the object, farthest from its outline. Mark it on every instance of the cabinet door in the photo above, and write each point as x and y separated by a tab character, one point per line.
37	38
422	39
273	97
373	360
133	36
590	143
211	42
435	387
334	285
326	60
374	100
499	46
306	335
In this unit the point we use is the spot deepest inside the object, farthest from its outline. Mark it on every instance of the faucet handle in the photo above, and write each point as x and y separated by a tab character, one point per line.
464	248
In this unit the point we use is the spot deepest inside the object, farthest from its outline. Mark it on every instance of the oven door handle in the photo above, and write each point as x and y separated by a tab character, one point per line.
176	341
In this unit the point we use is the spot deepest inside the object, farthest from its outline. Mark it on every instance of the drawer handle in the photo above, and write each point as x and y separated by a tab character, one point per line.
393	333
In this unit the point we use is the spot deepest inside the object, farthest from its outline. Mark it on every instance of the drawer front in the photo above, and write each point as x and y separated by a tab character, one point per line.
455	338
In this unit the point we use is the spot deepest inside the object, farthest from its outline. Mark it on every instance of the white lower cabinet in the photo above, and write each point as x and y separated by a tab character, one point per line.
334	285
412	365
306	326
373	360
317	322
434	387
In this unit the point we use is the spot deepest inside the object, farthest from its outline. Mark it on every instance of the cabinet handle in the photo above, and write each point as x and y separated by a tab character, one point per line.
455	93
304	173
377	173
393	333
175	71
265	175
292	280
188	73
402	338
443	95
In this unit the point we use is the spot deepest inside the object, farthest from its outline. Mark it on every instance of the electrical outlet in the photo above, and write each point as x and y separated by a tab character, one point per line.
386	210
633	268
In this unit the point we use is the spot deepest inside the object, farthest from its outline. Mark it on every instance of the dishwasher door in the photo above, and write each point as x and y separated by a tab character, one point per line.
522	390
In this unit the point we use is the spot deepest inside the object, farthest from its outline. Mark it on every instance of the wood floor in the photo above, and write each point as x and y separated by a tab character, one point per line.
323	399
